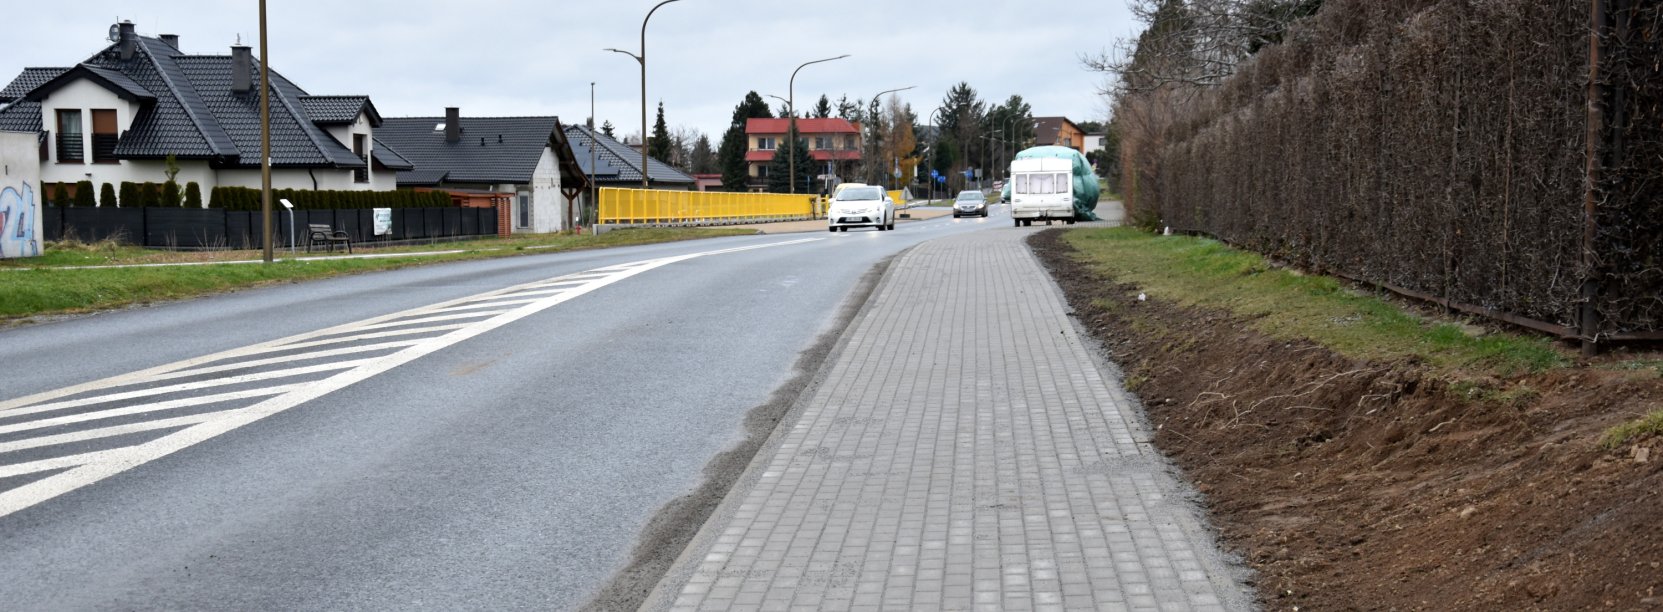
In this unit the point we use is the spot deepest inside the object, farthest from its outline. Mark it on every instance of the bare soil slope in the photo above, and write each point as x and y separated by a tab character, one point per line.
1375	486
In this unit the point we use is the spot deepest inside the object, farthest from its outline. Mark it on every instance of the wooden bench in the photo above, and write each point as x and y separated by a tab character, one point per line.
318	233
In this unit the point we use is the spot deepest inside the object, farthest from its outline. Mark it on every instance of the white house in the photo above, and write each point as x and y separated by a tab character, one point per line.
527	157
117	116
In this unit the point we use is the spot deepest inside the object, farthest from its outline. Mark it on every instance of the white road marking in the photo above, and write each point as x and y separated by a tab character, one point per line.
88	468
181	387
105	432
241	365
359	337
151	407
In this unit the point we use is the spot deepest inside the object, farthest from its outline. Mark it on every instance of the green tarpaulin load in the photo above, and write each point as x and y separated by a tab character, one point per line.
1086	190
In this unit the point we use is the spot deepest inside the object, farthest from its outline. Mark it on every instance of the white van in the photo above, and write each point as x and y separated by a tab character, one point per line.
1042	189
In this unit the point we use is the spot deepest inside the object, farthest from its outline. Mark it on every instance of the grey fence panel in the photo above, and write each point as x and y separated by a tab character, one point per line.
184	227
124	225
470	222
453	221
239	229
434	220
52	221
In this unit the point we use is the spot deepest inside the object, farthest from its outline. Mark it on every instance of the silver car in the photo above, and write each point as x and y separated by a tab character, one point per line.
970	203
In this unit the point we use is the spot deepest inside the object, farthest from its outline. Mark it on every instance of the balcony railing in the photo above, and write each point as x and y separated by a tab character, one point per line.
103	147
69	148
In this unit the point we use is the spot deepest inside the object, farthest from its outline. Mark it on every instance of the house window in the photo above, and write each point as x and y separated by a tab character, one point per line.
762	172
764	143
69	137
525	210
359	148
822	142
849	143
103	136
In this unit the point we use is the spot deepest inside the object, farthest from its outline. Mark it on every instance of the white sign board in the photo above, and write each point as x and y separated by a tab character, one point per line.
383	221
21	232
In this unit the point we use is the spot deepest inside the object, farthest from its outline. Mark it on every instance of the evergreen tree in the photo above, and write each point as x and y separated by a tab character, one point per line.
606	128
150	195
730	157
703	158
83	195
170	194
823	108
129	194
193	195
60	196
848	110
660	145
779	170
106	196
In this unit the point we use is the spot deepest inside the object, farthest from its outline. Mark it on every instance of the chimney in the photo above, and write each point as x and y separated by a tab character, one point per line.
242	65
453	124
129	41
172	40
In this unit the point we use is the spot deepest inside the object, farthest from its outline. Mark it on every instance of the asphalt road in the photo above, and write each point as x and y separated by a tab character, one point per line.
418	446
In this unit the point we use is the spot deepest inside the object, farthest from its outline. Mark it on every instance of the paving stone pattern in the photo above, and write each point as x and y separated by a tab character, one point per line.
964	452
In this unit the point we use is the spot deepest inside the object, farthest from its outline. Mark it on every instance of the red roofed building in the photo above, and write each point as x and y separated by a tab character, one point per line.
833	142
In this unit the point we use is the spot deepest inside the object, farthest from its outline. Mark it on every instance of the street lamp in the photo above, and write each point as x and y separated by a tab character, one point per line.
875	102
593	203
791	108
642	59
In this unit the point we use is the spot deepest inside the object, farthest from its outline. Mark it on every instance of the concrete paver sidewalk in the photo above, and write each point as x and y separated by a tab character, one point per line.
963	450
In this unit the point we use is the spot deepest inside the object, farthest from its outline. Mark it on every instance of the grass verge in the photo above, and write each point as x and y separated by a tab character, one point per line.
1649	425
1287	304
50	287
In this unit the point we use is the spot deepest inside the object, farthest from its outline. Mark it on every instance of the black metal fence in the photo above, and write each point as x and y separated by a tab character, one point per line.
212	228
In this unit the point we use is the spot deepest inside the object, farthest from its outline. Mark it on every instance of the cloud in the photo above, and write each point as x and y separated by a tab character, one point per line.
523	57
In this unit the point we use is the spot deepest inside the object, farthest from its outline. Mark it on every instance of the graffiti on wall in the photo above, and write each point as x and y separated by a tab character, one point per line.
17	222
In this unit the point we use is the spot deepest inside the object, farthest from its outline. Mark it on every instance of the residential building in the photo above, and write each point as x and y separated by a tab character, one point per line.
707	182
121	113
1059	131
526	157
1096	142
834	143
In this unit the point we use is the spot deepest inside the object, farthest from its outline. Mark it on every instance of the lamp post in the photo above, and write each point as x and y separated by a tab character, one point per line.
593	203
642	59
791	107
876	98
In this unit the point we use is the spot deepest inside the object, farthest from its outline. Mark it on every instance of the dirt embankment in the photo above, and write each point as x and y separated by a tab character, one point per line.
1376	486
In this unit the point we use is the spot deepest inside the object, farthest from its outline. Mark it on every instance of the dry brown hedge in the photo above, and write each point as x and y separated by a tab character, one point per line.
1438	146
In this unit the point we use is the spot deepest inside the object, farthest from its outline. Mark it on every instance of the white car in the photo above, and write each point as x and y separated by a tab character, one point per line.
860	206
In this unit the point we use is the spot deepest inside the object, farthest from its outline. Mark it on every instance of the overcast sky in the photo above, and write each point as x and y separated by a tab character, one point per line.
537	57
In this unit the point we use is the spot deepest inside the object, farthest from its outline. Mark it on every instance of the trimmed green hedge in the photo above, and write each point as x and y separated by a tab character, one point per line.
243	198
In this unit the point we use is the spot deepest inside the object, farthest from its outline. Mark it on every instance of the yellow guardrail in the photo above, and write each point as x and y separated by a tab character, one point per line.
654	206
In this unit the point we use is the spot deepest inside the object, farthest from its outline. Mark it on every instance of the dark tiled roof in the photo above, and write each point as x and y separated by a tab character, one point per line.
295	141
20	116
28	81
194	114
123	86
1047	130
389	156
579	137
619	156
492	149
422	178
328	110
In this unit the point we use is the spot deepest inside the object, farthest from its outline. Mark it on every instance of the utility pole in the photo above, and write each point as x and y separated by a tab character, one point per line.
791	109
594	204
642	59
265	141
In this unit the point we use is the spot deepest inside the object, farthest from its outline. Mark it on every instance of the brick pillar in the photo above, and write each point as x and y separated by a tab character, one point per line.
505	217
